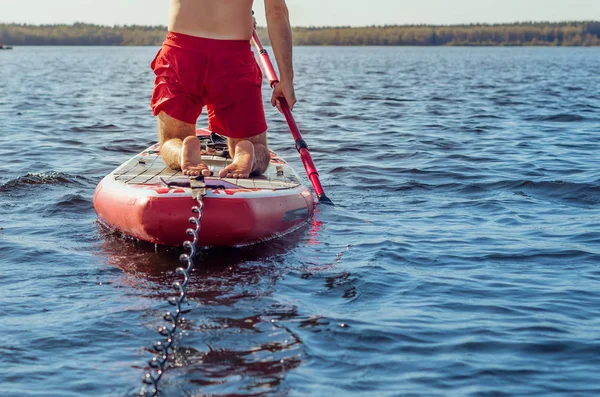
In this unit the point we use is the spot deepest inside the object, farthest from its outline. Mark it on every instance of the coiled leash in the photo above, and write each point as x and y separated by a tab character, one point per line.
164	349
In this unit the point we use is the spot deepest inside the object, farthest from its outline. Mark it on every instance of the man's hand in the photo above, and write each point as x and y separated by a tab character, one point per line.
280	33
284	89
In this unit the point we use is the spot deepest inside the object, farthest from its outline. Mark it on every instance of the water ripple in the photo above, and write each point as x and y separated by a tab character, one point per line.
461	258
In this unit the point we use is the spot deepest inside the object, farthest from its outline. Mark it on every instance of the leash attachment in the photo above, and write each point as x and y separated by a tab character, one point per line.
164	349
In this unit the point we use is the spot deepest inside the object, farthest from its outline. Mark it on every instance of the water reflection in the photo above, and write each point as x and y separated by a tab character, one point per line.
235	341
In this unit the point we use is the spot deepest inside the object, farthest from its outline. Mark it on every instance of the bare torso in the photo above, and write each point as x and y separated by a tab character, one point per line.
213	19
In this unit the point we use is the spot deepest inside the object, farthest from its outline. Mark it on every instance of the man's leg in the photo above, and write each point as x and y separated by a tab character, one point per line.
250	157
179	147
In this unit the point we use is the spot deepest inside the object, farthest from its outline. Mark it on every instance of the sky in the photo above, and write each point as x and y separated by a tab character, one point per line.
311	12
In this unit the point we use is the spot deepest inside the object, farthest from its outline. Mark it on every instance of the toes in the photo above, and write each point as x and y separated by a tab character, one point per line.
233	173
226	173
191	172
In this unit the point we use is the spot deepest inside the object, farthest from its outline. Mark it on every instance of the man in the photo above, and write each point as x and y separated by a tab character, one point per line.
206	60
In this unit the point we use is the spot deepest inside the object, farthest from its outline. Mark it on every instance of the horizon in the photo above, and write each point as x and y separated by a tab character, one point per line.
314	13
540	22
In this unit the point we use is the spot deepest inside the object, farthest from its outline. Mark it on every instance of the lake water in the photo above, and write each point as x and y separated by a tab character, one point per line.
462	258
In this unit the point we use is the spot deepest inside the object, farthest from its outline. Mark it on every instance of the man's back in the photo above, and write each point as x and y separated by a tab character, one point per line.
216	19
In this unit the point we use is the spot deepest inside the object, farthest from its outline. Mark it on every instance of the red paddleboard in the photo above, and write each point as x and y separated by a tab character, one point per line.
145	199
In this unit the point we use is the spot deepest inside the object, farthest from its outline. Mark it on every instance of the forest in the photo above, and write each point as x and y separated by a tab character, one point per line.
516	34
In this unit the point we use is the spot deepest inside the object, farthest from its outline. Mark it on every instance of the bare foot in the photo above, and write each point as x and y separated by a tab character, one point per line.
191	159
243	162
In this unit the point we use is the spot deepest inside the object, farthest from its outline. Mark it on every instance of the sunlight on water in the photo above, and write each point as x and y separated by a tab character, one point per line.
461	258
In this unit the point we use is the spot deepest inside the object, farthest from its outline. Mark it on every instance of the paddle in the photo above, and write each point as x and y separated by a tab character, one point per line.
301	146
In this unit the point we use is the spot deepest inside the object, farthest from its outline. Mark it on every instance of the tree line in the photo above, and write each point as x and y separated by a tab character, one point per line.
516	34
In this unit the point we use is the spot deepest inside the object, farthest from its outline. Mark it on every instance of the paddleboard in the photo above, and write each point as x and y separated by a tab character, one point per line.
146	200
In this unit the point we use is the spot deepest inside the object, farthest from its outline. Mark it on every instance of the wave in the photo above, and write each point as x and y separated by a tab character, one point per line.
587	194
41	178
95	128
558	118
571	192
74	203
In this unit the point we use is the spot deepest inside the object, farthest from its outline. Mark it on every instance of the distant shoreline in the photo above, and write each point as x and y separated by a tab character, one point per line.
575	33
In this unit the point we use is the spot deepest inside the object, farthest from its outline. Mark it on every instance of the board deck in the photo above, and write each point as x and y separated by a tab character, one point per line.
145	199
148	169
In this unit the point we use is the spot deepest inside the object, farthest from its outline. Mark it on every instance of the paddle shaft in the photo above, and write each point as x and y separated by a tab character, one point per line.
301	146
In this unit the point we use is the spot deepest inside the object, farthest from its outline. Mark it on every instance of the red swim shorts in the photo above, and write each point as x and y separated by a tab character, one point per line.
192	72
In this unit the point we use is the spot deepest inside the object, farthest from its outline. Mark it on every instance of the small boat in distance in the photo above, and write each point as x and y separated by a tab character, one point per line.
5	47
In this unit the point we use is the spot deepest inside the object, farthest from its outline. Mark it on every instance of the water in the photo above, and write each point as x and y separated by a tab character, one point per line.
462	259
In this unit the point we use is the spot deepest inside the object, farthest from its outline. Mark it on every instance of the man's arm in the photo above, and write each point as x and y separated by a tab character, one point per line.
280	35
